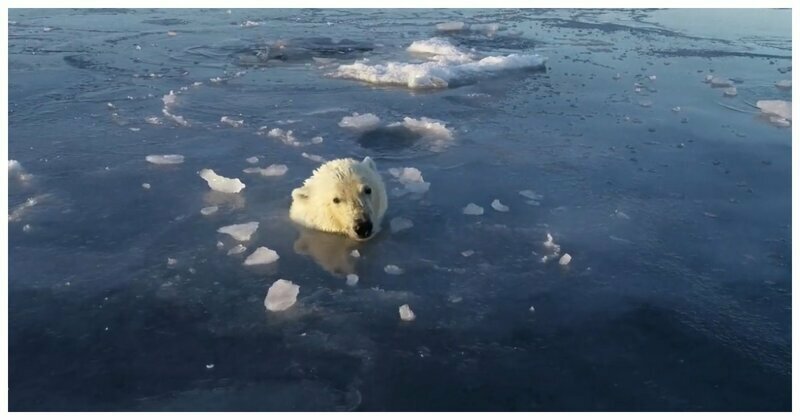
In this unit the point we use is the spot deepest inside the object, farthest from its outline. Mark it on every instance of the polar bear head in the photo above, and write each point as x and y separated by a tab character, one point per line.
342	196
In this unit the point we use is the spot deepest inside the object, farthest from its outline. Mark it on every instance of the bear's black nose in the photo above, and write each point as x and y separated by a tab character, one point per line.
363	228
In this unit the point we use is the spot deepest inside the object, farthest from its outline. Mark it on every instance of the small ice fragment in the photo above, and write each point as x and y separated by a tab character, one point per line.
26	228
731	91
165	159
210	366
617	76
360	122
355	254
782	109
427	127
262	255
532	309
207	211
780	122
720	82
271	170
14	167
565	259
231	122
708	78
467	253
352	280
220	183
134	129
287	137
171	262
784	84
621	215
653	77
400	223
250	24
215	79
497	205
646	103
153	120
393	269
172	33
220	245
238	249
146	186
315	158
451	26
676	109
406	314
530	194
252	160
473	209
317	140
240	232
412	179
281	295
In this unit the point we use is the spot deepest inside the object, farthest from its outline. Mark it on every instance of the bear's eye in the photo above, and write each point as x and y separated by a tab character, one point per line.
336	200
367	190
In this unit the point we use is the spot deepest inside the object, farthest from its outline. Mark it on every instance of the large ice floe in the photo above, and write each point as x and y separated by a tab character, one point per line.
445	64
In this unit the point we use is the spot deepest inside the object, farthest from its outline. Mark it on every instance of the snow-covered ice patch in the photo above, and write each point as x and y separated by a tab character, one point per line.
262	255
446	64
473	209
241	232
398	224
393	269
281	295
220	183
497	205
165	159
406	314
360	122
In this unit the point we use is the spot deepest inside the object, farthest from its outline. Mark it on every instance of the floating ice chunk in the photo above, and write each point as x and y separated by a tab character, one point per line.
780	122
617	76
467	253
172	262
473	209
360	122
315	158
172	33
731	91
708	78
271	170
427	127
652	77
446	65
317	140
153	120
252	160
207	211
220	183
216	79
531	309
231	122
497	205
354	253
352	279
262	255
250	24
406	314
781	109
241	232
530	194
411	178
170	99
393	269
645	103
621	215
676	109
287	137
720	82
19	211
400	223
238	249
146	186
14	167
784	84
165	159
281	295
565	259
175	118
27	228
451	26
210	366
549	243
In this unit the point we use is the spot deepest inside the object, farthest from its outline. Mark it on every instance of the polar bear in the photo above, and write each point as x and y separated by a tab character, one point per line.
342	196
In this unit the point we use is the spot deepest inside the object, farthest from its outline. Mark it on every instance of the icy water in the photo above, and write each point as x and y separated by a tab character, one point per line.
672	199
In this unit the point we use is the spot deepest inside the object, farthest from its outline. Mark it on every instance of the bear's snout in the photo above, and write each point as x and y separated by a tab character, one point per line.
363	228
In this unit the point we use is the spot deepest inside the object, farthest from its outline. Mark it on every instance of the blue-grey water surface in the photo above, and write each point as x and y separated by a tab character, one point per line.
677	220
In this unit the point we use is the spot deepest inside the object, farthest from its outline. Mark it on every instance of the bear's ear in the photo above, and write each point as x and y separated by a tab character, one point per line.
371	163
299	194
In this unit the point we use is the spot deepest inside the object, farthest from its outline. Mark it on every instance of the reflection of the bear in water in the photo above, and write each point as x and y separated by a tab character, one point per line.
329	251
